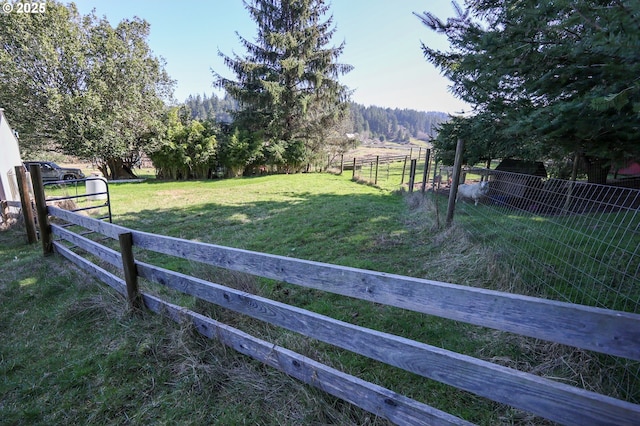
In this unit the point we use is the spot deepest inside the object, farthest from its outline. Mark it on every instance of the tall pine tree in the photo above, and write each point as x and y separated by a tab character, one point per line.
287	84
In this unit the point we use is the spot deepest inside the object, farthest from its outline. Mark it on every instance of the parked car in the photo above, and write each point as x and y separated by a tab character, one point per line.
52	172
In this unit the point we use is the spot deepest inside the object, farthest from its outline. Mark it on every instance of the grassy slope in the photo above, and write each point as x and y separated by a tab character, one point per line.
72	354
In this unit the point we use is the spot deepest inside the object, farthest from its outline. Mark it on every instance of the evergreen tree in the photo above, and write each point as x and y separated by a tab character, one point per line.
287	85
559	74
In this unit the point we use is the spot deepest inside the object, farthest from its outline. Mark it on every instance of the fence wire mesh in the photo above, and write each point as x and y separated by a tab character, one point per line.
569	241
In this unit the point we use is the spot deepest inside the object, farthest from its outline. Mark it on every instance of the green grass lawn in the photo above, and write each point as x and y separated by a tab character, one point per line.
71	353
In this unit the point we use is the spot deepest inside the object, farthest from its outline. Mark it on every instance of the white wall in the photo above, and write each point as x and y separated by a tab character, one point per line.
9	158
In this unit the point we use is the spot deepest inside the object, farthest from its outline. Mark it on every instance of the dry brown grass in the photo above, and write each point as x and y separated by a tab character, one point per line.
458	259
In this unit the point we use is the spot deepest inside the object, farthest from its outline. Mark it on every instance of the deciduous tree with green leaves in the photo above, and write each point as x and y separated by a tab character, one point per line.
95	91
287	84
562	75
42	62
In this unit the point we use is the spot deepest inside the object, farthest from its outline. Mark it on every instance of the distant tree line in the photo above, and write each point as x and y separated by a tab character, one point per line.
396	125
374	122
211	108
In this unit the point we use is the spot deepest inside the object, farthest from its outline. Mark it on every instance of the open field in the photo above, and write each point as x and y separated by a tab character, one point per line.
88	360
387	148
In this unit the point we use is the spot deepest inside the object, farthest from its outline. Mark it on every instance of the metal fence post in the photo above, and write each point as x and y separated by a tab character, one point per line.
404	168
425	172
412	174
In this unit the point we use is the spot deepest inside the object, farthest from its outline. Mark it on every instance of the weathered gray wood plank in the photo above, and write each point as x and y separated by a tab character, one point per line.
549	399
373	398
541	396
611	332
105	253
105	228
107	277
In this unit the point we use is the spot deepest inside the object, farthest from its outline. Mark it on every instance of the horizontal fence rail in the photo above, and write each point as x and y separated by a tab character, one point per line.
376	399
611	332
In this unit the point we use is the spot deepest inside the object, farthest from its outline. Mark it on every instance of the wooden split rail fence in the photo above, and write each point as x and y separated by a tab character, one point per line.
409	169
609	332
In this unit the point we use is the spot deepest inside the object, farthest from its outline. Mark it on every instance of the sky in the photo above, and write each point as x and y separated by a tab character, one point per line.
382	42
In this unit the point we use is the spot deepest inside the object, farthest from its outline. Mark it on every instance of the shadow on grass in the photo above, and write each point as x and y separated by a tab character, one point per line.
361	230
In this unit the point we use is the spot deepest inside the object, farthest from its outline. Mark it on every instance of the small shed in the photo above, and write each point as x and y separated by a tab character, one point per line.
513	180
532	168
9	159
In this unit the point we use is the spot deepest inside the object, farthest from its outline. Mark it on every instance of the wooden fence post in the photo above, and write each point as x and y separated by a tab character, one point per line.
41	208
353	177
425	172
375	181
453	191
404	168
412	174
341	163
25	201
130	271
